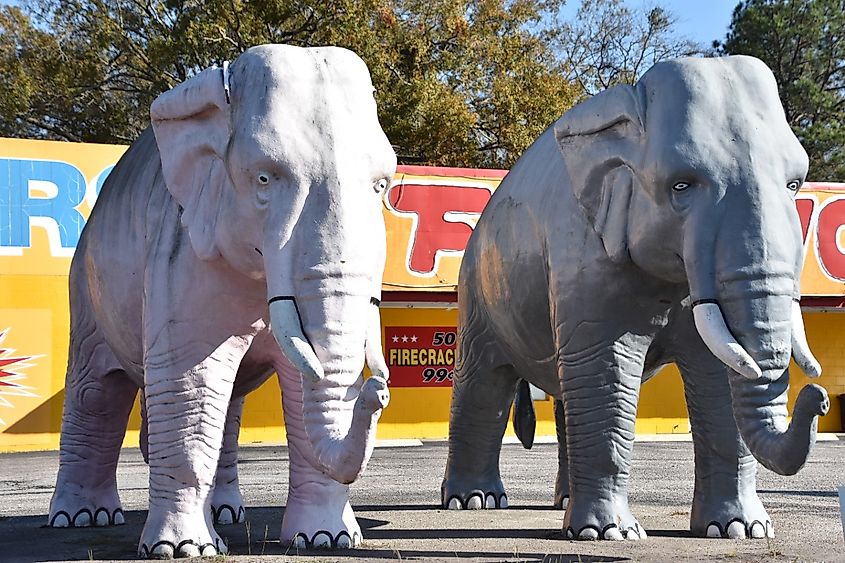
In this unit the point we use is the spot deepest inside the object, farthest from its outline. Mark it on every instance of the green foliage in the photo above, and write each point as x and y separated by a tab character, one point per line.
459	82
802	41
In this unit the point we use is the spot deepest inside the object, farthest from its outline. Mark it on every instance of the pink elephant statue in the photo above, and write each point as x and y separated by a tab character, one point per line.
241	234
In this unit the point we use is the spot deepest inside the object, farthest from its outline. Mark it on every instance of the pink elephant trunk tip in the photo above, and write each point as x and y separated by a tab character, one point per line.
345	459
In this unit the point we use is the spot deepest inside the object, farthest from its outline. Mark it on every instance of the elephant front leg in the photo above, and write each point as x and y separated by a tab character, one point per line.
186	415
601	384
725	502
318	513
227	505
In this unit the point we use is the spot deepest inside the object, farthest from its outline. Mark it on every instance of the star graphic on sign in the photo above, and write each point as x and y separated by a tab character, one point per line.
414	339
396	339
404	338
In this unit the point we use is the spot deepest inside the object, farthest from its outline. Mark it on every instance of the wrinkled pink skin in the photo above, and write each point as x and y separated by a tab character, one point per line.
169	294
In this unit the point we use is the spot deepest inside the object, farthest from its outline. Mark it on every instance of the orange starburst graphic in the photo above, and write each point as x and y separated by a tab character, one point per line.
11	376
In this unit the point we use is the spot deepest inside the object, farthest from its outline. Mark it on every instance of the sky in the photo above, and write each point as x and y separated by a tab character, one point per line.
700	20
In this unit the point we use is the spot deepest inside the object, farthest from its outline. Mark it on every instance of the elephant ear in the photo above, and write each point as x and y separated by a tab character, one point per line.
601	140
191	123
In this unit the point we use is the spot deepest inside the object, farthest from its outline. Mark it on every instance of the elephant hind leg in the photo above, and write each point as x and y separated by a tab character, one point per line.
482	393
480	406
227	504
98	400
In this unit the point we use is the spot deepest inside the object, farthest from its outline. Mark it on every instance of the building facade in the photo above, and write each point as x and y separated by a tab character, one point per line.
47	190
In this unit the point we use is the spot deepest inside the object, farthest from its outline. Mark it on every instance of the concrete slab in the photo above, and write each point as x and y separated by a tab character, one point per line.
396	503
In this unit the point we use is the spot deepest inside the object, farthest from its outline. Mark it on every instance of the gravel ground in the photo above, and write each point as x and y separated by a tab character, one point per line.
396	504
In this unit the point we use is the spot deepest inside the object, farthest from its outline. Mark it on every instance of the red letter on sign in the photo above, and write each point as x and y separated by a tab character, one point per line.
434	230
831	220
805	213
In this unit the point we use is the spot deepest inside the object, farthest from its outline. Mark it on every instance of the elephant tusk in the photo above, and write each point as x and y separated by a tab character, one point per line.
372	349
287	329
710	324
800	348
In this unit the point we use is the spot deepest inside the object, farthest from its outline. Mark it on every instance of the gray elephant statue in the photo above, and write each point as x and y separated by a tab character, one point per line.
241	235
650	224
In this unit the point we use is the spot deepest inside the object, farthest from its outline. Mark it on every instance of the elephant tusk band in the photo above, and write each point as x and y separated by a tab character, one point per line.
287	329
800	348
714	332
372	349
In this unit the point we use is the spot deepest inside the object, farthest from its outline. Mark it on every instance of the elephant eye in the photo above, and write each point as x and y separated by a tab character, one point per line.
380	186
263	179
680	186
793	185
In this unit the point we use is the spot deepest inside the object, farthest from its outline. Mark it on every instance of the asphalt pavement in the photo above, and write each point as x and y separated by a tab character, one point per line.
397	506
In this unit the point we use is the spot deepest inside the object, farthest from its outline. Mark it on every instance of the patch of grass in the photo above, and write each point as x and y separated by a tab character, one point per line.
264	543
248	527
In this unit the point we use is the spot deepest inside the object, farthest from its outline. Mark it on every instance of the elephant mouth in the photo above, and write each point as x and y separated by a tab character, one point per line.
286	325
710	324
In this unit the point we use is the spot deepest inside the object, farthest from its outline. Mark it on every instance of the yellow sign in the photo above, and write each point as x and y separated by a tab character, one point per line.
47	190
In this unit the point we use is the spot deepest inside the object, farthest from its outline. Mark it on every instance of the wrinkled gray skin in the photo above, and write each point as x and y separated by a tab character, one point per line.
269	191
580	275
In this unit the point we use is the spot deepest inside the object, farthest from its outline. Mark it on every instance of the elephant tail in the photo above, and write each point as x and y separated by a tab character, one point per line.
524	419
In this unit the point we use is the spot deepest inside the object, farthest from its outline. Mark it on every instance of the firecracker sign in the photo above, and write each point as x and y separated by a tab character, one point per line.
420	356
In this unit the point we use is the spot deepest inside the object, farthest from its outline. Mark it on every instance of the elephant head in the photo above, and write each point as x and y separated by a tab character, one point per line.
279	162
692	176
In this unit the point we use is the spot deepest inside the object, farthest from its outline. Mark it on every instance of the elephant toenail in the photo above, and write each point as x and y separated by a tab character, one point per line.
101	517
490	501
322	540
188	549
455	504
475	503
83	518
758	530
611	532
714	531
343	540
503	501
60	519
736	530
633	534
117	518
588	533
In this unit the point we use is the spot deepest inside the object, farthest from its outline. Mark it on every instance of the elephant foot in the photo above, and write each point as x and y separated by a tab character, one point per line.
318	526
561	502
227	505
171	534
601	519
731	518
457	494
74	506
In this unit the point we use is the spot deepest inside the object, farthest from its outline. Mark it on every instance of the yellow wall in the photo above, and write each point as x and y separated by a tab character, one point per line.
34	320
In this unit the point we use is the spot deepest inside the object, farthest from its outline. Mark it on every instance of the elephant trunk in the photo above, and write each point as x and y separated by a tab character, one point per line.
339	409
744	292
763	315
765	323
